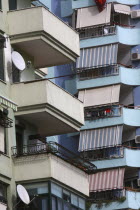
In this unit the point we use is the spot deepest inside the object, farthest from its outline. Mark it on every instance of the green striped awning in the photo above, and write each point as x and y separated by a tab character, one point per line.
8	103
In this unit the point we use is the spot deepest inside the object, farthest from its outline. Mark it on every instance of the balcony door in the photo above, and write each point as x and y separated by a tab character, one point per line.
19	140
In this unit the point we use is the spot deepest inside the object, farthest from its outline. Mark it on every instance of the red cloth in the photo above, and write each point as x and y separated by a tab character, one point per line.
108	110
100	4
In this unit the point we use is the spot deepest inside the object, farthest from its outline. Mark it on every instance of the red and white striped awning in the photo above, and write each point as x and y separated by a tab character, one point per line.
106	180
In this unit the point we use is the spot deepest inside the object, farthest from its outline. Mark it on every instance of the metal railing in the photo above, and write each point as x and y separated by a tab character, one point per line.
57	150
85	33
107	195
5	121
103	153
92	113
106	71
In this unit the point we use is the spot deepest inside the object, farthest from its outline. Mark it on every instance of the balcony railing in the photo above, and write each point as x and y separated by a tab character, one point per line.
57	150
110	195
5	121
102	112
105	153
106	71
96	31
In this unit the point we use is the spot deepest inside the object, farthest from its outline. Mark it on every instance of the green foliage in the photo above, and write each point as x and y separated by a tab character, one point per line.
122	199
88	205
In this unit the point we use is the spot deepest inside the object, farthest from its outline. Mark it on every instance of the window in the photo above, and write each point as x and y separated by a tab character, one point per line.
37	189
2	139
54	203
56	190
65	200
82	203
0	5
12	4
74	199
3	193
60	204
66	196
1	65
15	74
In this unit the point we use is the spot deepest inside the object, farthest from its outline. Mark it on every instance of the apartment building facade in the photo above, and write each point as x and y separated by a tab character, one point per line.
33	108
108	83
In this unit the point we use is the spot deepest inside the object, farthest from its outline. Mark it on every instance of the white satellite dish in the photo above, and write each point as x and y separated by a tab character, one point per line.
105	31
18	61
23	194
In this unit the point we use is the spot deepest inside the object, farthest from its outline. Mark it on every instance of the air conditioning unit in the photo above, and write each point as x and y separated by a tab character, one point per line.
135	14
138	182
137	139
135	56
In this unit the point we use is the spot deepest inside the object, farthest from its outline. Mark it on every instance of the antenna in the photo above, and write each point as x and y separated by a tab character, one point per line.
18	61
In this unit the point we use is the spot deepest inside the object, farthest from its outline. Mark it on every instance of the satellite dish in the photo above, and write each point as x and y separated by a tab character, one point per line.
23	194
105	31
18	61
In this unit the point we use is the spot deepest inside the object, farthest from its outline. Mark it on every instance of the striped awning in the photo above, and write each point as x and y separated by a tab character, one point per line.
97	56
107	180
100	96
8	103
121	8
100	138
90	16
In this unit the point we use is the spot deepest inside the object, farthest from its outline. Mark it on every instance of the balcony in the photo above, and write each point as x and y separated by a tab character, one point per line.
103	76
128	115
103	154
131	202
53	159
49	108
100	31
92	113
43	37
57	150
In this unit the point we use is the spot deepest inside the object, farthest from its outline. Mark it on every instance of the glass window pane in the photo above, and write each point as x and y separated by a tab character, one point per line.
37	188
66	206
54	203
66	196
59	204
45	204
56	190
74	199
74	208
82	203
